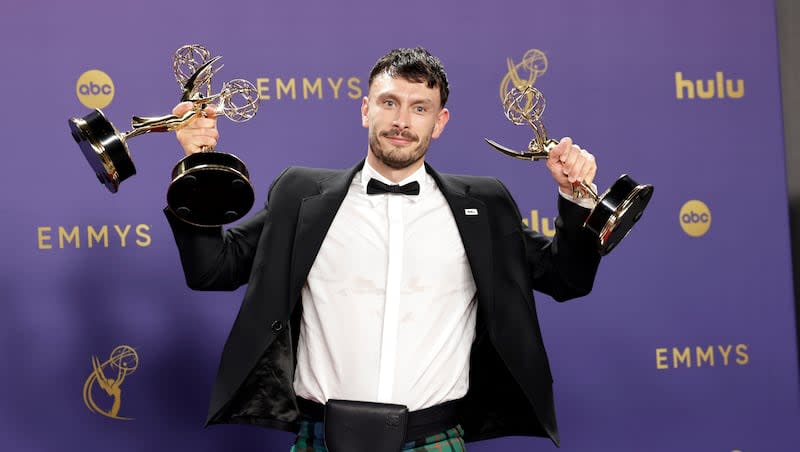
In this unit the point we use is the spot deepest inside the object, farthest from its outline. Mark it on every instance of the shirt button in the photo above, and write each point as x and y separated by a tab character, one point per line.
277	326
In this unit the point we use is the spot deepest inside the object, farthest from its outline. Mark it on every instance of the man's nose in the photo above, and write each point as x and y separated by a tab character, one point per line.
401	118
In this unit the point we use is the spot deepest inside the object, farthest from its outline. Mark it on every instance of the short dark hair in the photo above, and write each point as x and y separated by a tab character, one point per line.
415	65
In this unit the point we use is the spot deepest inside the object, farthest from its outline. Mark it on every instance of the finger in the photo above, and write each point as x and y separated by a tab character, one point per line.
584	168
199	144
191	135
557	152
569	159
591	170
192	149
203	123
577	167
210	112
188	133
206	141
182	108
209	133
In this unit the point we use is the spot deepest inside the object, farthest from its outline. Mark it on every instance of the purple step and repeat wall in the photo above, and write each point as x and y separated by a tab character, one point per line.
686	343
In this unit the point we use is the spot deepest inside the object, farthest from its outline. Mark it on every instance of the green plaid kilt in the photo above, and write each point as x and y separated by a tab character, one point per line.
311	437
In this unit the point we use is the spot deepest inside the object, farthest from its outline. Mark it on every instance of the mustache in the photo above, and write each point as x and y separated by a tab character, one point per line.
395	132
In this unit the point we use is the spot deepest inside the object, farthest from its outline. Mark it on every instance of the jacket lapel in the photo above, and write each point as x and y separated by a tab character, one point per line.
315	218
472	220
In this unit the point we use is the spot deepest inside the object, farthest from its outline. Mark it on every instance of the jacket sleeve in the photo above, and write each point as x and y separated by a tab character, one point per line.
214	258
565	266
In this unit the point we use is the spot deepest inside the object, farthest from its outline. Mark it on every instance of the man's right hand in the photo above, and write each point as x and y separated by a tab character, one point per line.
200	133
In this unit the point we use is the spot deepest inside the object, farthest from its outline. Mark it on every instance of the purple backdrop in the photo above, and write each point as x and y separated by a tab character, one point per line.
685	344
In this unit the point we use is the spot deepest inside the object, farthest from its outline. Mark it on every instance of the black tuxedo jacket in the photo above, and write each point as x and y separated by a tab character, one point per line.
510	381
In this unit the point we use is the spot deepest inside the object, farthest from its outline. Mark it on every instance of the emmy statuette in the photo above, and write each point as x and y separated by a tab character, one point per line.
615	211
208	188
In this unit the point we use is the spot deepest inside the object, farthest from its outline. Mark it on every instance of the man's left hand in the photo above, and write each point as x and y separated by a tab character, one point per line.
570	165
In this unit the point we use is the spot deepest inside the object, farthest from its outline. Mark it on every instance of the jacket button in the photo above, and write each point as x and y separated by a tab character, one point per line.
277	326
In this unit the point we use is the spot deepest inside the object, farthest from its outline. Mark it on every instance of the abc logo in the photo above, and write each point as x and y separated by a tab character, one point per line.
94	89
695	218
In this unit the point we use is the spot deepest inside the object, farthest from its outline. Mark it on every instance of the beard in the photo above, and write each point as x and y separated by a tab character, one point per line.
398	157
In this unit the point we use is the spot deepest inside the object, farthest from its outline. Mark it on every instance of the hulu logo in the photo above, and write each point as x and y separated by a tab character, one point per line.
545	226
718	87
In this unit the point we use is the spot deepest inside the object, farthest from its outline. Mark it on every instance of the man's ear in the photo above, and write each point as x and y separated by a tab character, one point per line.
441	121
365	112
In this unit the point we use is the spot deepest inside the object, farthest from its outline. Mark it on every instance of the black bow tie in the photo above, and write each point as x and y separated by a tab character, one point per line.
376	187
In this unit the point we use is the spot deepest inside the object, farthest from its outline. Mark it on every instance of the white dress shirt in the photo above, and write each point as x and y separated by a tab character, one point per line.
389	304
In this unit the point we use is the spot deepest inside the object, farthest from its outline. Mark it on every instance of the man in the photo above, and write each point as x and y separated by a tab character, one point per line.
391	283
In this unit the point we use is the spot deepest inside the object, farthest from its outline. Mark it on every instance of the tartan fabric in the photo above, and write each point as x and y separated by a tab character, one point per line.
311	438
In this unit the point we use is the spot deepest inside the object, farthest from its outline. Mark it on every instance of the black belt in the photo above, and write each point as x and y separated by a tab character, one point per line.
421	423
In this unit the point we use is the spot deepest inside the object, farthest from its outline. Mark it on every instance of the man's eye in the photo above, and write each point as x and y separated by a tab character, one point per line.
389	103
420	109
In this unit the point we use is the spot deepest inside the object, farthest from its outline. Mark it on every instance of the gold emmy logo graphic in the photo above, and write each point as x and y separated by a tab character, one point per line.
109	376
94	89
534	62
695	218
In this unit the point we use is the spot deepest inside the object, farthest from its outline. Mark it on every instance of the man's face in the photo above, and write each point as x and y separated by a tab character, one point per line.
402	118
